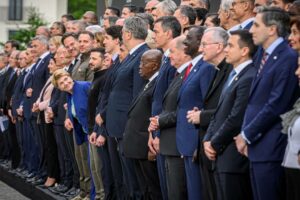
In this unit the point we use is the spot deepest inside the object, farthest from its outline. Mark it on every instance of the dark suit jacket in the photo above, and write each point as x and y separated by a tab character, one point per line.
191	94
272	93
168	118
17	95
126	86
8	85
227	122
10	89
135	139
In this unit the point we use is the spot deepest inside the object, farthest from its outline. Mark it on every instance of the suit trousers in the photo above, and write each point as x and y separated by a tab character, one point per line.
81	155
15	151
96	166
193	179
19	134
233	186
267	179
160	162
175	177
292	183
32	155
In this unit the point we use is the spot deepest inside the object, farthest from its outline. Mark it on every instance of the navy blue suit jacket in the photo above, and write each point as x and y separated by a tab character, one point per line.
191	94
272	93
126	86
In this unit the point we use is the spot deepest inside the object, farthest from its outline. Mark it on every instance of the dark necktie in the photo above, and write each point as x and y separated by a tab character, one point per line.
188	70
227	83
262	63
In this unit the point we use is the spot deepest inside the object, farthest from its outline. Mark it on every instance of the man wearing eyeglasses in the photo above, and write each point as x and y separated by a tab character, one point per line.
242	10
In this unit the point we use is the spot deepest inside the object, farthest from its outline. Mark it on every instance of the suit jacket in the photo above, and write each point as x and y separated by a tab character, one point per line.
248	26
269	97
17	95
81	70
57	101
126	86
80	99
227	123
168	118
3	83
9	89
191	94
135	139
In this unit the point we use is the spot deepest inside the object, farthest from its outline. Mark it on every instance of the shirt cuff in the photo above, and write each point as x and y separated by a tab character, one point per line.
245	138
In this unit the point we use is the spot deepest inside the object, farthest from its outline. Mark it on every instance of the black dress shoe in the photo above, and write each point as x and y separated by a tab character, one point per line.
30	180
39	181
31	175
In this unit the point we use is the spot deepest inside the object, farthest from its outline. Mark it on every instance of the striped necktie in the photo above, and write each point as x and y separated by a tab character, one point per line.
262	63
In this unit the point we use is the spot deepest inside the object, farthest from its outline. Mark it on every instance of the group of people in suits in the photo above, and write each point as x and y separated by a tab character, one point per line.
161	109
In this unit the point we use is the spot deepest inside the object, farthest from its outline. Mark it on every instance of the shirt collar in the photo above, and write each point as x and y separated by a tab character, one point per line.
115	56
234	28
196	59
183	66
242	66
44	55
153	76
167	53
136	47
246	22
273	46
29	68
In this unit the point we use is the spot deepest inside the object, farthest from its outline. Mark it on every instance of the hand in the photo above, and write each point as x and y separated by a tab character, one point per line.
240	144
193	116
66	106
29	92
150	144
156	144
99	120
100	141
92	138
20	111
209	151
153	126
35	107
68	124
49	112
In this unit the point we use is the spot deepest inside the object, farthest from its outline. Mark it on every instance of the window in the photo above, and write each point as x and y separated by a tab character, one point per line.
15	11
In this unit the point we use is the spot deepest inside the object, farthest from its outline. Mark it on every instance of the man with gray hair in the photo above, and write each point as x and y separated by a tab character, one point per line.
242	11
212	46
164	8
78	26
127	85
225	16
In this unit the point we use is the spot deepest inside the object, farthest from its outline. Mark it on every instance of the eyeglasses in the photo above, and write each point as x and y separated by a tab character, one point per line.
203	45
235	3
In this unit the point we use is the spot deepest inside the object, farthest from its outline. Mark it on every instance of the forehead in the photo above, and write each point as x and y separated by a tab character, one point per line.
8	44
84	36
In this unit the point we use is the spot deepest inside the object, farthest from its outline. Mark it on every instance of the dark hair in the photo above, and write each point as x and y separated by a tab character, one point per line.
115	32
92	36
112	20
287	1
294	9
61	26
245	40
14	43
99	50
66	35
214	18
114	10
296	21
170	23
147	18
275	16
189	12
201	13
132	8
69	17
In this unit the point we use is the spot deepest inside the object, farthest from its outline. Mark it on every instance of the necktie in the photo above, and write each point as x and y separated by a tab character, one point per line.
188	70
228	82
262	63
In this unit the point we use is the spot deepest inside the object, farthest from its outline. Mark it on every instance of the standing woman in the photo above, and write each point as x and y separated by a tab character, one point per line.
291	127
47	125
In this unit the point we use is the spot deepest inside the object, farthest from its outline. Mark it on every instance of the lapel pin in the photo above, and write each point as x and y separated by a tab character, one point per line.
236	78
275	57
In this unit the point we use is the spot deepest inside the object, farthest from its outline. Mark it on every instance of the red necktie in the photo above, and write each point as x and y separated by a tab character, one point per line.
188	70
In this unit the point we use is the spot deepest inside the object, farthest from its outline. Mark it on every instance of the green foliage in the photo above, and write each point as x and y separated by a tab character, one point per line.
24	35
78	7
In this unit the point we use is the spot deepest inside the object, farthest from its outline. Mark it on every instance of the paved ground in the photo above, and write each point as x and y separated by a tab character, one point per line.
8	193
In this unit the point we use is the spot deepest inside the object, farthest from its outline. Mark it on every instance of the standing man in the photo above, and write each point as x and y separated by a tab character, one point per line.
242	11
261	138
231	169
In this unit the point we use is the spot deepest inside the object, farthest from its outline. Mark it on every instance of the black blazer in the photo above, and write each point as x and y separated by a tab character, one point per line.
10	89
135	138
168	118
227	122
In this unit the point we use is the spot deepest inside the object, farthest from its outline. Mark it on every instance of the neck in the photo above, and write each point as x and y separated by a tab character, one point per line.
246	16
134	43
269	41
218	59
166	46
242	60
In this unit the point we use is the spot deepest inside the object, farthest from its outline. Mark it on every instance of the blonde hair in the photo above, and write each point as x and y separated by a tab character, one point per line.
57	75
56	40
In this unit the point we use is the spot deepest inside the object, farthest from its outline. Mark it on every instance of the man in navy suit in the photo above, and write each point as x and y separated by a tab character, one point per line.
231	168
126	86
273	92
165	29
242	11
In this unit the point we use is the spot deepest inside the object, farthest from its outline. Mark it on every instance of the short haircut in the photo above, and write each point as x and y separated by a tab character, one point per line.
296	21
219	35
115	32
66	35
114	10
214	18
245	40
61	26
168	7
132	8
41	38
170	23
226	4
57	75
99	50
92	36
112	20
14	43
81	24
201	13
137	27
147	18
188	12
275	16
69	17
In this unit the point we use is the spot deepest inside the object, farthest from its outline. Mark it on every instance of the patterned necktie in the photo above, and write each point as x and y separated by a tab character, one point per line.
262	63
188	70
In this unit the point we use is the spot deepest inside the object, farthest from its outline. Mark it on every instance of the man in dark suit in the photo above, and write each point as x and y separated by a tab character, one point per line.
136	131
126	86
232	169
261	138
212	45
242	11
166	28
166	123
